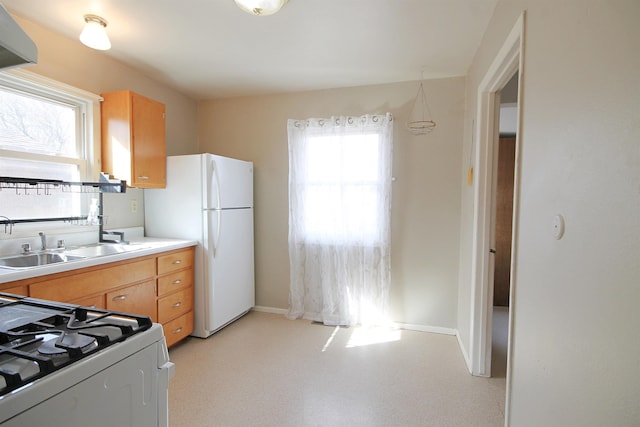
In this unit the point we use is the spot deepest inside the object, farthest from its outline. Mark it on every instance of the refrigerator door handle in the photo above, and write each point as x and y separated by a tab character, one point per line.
214	241
217	239
216	179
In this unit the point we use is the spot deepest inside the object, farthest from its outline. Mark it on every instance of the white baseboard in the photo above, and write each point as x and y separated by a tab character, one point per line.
463	350
274	310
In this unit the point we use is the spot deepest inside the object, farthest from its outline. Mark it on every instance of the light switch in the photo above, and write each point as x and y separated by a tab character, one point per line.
558	227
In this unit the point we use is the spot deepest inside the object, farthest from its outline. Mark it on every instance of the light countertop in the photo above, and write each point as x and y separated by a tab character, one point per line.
148	246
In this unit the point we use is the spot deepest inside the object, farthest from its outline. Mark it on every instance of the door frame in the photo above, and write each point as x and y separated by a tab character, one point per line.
507	61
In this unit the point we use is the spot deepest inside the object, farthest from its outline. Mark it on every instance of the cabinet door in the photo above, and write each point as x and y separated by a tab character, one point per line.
136	299
148	143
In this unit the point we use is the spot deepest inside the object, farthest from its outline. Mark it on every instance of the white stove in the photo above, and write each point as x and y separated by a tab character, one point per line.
65	365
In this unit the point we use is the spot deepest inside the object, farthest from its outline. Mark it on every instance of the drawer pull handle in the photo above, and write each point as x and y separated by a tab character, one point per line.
143	177
177	282
178	304
177	331
119	298
178	261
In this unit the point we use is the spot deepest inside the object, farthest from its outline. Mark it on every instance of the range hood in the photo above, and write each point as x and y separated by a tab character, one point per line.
16	48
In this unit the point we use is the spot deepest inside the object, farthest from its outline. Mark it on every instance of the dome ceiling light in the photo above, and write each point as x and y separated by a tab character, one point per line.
261	7
94	33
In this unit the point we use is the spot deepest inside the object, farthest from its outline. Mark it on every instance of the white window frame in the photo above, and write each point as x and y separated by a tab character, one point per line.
88	135
88	124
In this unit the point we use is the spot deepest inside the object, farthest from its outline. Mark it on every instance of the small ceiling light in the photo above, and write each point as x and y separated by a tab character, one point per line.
261	7
94	33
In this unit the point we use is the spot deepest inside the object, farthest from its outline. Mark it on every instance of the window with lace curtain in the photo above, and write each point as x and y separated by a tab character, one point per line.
339	218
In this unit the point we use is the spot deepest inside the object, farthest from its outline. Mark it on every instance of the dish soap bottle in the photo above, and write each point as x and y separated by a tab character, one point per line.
92	218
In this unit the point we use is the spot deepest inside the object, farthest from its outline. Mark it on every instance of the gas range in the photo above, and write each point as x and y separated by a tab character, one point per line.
39	337
55	355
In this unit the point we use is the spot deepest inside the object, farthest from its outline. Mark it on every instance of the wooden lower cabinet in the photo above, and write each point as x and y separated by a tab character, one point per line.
175	294
159	286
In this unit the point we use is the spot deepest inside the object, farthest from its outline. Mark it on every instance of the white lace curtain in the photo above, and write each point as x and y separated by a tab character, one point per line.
339	218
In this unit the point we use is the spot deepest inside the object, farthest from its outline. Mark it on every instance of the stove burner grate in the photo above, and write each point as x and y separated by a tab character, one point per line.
74	344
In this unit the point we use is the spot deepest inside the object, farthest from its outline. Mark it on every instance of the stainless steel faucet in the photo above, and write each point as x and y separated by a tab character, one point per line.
118	239
43	239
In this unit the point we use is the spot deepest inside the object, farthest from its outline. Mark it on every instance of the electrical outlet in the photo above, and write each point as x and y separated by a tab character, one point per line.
134	206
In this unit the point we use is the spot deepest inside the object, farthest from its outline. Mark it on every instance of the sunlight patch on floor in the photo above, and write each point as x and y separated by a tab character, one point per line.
333	335
362	336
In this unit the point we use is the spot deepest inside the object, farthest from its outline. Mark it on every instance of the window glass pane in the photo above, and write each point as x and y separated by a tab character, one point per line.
323	159
341	194
361	158
18	205
361	212
350	158
37	169
322	206
35	125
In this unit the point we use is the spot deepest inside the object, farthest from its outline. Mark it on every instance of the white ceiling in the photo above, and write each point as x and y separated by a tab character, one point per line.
212	49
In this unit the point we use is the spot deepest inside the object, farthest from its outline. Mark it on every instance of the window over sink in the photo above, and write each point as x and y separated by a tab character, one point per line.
48	130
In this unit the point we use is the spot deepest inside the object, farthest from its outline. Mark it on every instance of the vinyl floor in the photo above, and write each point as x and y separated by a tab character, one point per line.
266	370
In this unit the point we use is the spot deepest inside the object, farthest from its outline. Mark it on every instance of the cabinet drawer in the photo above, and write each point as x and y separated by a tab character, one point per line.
175	281
69	288
177	329
175	261
137	299
175	304
16	290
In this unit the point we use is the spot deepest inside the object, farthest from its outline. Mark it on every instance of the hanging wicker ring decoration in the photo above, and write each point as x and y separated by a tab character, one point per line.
424	125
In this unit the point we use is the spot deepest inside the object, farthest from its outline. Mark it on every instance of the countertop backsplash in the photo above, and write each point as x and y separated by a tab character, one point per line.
73	236
122	212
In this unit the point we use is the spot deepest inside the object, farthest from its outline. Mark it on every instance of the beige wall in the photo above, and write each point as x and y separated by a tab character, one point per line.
575	331
426	193
68	61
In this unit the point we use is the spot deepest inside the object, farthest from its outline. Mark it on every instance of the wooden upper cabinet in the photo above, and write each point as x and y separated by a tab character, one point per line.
134	139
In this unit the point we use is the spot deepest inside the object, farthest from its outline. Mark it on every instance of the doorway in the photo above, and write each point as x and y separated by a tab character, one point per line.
503	171
508	61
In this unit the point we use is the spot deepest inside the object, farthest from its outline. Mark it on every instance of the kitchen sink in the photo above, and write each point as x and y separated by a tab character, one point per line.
37	259
103	249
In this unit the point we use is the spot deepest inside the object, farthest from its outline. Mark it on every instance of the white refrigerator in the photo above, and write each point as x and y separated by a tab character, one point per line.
209	198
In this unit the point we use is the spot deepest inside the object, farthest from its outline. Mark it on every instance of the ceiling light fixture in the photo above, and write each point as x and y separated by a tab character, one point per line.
94	33
261	7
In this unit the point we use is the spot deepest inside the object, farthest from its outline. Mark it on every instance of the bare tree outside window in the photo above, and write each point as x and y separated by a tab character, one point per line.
43	135
36	126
